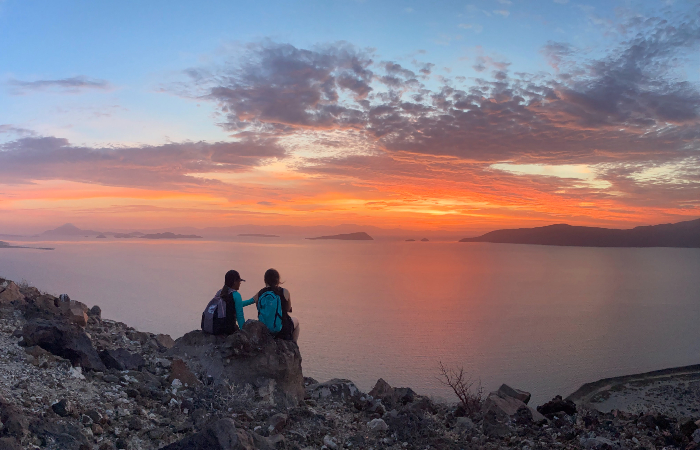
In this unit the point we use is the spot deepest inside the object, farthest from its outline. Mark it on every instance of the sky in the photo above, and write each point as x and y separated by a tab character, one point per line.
440	115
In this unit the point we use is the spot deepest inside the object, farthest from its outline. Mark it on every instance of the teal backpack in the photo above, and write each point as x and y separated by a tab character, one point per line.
270	308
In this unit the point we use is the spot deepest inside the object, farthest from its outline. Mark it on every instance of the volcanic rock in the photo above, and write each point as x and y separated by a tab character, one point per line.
249	356
557	405
336	389
9	292
122	359
64	340
220	435
180	371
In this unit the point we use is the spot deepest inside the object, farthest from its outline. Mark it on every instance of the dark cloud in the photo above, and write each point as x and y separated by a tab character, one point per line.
68	85
280	85
171	165
628	105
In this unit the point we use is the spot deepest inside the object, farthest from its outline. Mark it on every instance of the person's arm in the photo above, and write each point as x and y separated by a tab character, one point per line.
249	301
288	297
239	309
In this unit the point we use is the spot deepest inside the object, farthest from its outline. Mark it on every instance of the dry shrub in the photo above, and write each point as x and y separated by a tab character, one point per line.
469	392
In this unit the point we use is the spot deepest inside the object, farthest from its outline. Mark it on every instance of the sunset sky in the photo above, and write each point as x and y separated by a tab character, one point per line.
464	116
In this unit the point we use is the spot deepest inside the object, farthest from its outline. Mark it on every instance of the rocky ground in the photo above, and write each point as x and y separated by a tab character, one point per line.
70	379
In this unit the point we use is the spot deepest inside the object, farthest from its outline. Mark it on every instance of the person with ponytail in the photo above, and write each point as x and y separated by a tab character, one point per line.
274	310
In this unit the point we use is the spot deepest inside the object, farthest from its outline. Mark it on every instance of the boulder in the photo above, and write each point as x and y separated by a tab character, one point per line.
390	396
165	341
335	389
249	356
377	425
9	293
64	340
507	391
122	359
74	311
502	405
63	433
95	312
219	435
180	371
15	424
557	405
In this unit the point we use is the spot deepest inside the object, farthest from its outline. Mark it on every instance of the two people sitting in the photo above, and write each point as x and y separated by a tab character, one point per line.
224	313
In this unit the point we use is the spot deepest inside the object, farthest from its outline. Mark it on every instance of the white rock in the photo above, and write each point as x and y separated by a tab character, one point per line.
329	442
76	372
177	383
377	425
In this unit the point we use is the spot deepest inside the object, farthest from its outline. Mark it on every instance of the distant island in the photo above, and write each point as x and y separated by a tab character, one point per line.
361	236
410	240
4	244
258	235
69	230
681	234
424	240
170	235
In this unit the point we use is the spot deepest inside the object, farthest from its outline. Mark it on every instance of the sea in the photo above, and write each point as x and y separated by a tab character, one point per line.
538	318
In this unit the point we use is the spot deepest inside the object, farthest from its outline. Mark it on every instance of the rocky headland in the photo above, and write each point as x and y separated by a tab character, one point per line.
71	379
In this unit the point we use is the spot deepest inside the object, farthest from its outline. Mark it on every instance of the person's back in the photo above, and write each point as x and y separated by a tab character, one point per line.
221	316
274	305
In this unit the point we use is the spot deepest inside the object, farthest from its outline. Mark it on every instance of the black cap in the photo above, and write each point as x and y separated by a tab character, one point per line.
231	277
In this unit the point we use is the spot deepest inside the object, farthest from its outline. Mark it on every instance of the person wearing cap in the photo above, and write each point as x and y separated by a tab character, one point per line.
219	317
233	282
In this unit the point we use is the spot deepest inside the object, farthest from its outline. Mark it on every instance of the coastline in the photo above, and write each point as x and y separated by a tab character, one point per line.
143	391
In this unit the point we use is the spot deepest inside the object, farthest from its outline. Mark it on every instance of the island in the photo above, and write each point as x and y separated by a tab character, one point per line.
360	236
4	244
424	240
170	235
682	234
258	235
410	240
101	236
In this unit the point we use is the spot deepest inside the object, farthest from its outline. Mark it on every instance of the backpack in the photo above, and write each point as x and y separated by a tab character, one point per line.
270	308
215	314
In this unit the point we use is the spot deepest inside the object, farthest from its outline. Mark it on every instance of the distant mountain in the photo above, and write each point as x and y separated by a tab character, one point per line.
169	235
361	236
69	230
681	234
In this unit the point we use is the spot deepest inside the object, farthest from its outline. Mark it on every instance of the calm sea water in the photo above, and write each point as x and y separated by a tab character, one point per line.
542	319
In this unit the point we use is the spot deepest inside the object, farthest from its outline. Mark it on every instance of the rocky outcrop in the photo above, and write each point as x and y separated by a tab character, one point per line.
248	357
9	293
64	340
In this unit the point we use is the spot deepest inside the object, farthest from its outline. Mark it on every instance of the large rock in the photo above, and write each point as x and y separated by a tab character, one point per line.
9	292
64	340
507	391
122	359
219	435
390	396
249	356
557	404
502	405
15	424
335	389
